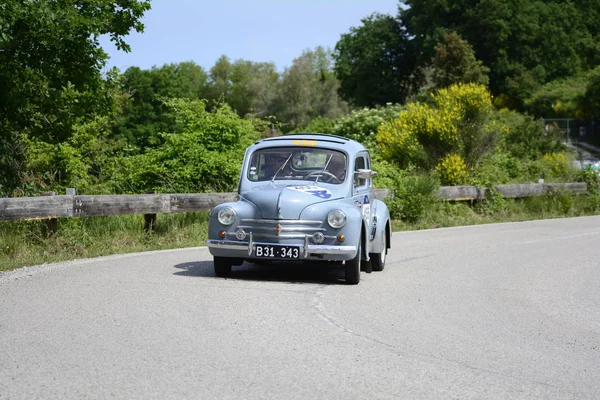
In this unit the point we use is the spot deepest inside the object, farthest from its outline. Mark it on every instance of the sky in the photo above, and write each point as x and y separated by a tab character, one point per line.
260	30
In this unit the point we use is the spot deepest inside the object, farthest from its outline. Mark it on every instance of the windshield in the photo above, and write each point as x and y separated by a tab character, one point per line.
314	164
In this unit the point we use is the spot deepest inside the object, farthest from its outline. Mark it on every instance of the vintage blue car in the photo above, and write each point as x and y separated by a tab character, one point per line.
304	198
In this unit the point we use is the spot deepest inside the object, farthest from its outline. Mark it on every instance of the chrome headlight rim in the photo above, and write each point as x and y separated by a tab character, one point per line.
226	216
336	219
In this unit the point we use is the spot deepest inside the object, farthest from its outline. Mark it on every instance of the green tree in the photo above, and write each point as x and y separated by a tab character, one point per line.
525	43
454	62
264	85
558	98
145	115
50	69
309	89
591	97
249	88
375	62
220	82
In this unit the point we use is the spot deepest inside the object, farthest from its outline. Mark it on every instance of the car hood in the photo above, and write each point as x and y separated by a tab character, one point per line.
286	201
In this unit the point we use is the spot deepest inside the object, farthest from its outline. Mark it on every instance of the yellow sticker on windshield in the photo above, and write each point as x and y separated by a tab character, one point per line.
304	142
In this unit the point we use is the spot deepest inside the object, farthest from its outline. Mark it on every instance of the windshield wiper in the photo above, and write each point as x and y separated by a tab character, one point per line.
282	167
324	168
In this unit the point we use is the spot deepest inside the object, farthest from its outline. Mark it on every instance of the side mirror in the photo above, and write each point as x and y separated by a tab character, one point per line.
364	174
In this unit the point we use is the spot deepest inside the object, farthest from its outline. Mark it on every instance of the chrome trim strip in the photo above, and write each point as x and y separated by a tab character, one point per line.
282	221
225	244
307	249
284	236
286	229
326	249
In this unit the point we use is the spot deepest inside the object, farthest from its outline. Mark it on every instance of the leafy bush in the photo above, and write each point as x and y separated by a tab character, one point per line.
84	161
591	178
205	155
525	138
360	125
413	195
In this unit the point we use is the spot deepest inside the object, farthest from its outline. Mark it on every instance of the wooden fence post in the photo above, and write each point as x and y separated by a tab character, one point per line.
150	219
51	224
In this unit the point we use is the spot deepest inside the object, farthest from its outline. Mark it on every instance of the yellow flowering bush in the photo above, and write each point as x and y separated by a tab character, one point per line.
464	101
453	170
453	123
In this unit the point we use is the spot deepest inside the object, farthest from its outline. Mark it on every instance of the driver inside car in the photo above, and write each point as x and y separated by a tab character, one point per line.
337	166
273	162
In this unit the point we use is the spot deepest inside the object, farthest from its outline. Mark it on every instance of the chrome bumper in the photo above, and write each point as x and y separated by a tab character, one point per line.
305	249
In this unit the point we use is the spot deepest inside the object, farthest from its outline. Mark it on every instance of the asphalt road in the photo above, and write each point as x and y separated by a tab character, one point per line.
497	311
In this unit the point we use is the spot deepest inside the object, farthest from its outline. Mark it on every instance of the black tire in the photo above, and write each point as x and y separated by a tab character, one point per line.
353	267
378	259
223	266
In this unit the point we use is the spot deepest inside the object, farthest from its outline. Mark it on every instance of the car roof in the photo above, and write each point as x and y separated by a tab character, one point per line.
322	139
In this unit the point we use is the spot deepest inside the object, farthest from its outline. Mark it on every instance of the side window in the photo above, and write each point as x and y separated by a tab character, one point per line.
359	164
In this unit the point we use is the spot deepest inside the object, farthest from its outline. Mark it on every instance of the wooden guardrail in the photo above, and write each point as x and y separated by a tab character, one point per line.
458	193
67	206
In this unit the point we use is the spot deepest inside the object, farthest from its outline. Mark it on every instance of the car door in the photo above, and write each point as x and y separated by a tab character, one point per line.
362	195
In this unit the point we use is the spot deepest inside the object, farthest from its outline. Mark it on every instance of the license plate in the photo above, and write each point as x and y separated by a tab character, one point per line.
276	251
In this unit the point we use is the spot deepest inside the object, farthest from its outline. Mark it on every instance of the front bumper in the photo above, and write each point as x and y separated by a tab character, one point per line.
231	248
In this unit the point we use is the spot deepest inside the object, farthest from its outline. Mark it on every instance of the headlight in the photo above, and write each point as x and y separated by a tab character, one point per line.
336	219
226	216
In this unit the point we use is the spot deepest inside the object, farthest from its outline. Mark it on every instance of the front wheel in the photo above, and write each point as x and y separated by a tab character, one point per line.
353	267
378	259
223	266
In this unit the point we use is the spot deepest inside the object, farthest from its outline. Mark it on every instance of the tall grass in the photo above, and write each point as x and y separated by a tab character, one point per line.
447	213
27	243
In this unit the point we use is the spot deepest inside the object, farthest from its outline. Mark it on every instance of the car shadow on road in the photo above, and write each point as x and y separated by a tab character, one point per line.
280	272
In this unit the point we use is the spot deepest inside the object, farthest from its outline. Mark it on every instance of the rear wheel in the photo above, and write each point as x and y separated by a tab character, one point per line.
223	266
378	259
353	267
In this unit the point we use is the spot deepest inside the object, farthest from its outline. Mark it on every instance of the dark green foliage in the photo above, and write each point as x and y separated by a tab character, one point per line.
455	62
50	69
526	137
560	98
591	97
524	43
145	115
374	62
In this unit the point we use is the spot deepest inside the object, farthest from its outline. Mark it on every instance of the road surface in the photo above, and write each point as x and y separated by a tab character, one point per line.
494	311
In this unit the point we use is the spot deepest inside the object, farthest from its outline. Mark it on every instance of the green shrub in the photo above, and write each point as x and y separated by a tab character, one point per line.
591	178
525	138
205	155
413	196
